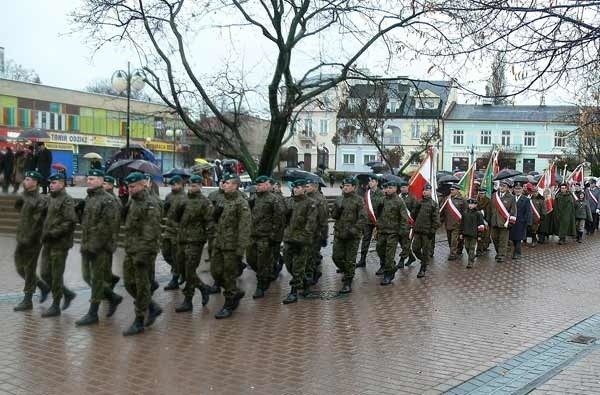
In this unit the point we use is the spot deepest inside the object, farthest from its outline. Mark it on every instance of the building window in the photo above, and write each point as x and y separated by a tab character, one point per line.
560	138
392	106
430	130
458	137
529	139
324	127
349	159
486	137
415	133
308	126
368	158
505	138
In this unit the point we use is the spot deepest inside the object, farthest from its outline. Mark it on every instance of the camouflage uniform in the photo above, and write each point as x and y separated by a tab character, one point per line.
376	201
427	220
392	223
313	273
109	277
453	225
173	206
216	198
278	238
411	202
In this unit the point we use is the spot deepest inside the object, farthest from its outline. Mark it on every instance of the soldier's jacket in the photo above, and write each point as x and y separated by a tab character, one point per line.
216	198
97	221
596	192
470	223
303	220
142	224
282	208
196	223
323	214
33	211
350	216
173	208
582	210
494	217
540	205
393	219
117	219
426	216
410	201
451	221
376	202
60	221
267	216
235	221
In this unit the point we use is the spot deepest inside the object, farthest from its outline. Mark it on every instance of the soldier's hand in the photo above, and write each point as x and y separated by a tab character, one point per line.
323	242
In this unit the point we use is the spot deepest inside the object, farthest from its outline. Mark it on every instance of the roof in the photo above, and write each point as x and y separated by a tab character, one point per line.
520	113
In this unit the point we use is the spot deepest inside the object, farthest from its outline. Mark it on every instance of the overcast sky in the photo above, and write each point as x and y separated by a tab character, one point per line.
38	35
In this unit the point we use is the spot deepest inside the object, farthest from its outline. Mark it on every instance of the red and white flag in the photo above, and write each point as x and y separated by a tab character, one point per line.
547	180
425	175
370	208
576	176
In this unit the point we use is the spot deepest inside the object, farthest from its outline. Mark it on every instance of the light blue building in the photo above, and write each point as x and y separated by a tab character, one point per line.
529	136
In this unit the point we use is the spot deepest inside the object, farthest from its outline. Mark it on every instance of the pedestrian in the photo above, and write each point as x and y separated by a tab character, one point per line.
451	216
232	237
350	217
18	173
331	179
302	224
109	187
195	224
43	162
30	159
564	214
8	169
313	270
267	222
427	221
583	214
392	222
32	208
538	214
518	231
142	238
97	228
373	198
57	240
406	255
593	195
483	201
501	215
173	207
472	228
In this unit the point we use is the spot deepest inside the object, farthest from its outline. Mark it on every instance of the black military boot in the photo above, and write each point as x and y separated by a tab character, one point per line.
400	264
91	317
114	301
53	310
226	311
68	298
204	292
113	281
422	271
173	284
363	261
215	288
410	260
387	279
579	236
44	290
154	310
185	306
25	304
380	271
235	301
347	288
470	264
135	328
154	285
259	293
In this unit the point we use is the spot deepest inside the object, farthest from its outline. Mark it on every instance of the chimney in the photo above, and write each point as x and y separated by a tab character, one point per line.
2	62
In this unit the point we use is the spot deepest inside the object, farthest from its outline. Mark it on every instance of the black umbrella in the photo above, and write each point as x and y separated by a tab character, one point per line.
442	173
178	171
119	169
293	174
391	177
145	167
447	178
375	163
363	178
506	173
521	179
34	134
533	173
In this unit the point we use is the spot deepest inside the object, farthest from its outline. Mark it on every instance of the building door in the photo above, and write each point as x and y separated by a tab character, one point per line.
528	165
307	164
322	158
292	157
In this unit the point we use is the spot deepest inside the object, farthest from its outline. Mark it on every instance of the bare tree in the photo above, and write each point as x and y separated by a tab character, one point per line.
17	72
496	86
104	86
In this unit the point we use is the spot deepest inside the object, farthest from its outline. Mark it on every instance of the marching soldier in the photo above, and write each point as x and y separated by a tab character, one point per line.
109	187
267	221
482	206
57	239
276	246
451	216
32	207
142	237
313	272
232	236
349	214
195	218
216	197
173	206
501	214
427	220
471	229
373	198
406	255
97	226
392	223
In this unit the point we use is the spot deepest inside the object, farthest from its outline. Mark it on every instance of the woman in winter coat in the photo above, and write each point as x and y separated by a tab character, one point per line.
582	214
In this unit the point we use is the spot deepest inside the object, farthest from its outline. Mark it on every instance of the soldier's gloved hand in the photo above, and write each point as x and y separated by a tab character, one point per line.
19	203
323	242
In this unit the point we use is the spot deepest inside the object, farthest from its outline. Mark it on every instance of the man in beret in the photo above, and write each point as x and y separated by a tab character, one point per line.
57	240
313	271
374	195
501	215
427	220
406	255
109	187
483	203
298	238
267	222
195	221
451	216
174	203
276	246
564	214
97	228
350	218
32	209
392	223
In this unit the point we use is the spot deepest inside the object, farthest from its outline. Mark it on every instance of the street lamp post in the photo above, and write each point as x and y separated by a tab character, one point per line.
126	81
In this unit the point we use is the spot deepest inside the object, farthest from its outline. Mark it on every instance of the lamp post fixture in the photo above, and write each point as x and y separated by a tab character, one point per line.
126	81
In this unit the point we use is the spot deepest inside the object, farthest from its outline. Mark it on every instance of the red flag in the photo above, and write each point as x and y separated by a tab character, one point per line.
422	177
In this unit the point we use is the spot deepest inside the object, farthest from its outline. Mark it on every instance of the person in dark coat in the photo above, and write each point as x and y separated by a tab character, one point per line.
42	164
518	232
30	158
564	214
9	159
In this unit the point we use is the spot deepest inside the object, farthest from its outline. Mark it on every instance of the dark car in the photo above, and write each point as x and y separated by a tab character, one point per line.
293	174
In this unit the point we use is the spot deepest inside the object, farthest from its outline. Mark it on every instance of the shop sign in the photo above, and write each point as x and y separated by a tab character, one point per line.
85	139
59	146
159	146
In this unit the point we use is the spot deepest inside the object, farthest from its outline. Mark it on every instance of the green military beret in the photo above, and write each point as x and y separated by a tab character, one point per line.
135	177
299	183
350	181
57	176
34	174
95	172
109	179
403	183
176	179
273	181
261	179
373	177
195	179
230	176
391	184
312	181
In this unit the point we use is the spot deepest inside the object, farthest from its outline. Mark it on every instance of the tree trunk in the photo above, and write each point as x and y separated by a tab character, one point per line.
270	152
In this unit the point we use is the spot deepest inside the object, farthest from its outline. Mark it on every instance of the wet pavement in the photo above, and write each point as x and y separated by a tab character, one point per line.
417	336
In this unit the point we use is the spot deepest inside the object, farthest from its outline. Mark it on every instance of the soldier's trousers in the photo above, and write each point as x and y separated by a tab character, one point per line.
259	256
386	249
484	243
405	243
500	239
137	279
366	239
168	248
295	256
26	257
93	270
532	231
470	245
108	274
454	242
313	260
344	256
191	253
423	247
225	269
53	269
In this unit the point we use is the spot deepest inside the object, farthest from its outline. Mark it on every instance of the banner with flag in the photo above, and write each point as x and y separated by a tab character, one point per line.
426	174
576	176
547	180
491	170
467	184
